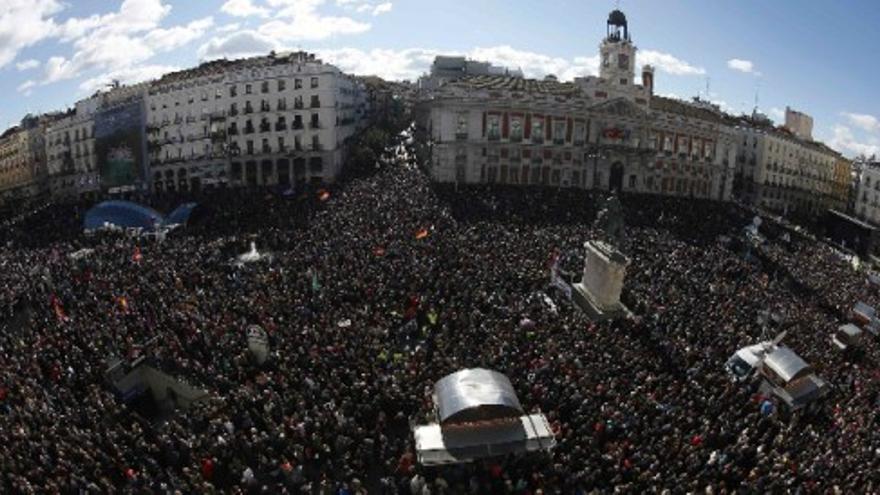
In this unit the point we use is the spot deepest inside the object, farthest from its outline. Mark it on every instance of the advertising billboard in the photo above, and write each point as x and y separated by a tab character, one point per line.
120	145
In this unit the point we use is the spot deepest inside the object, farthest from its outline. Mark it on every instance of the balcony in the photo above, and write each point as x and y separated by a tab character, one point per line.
298	105
297	125
248	109
218	136
461	136
249	129
233	131
537	140
233	112
494	136
317	147
265	108
280	126
265	127
315	125
267	149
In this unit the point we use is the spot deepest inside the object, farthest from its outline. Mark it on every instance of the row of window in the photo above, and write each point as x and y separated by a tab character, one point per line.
538	128
280	125
281	105
279	145
281	85
549	176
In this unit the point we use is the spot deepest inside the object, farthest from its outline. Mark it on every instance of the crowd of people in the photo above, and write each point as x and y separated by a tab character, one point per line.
379	287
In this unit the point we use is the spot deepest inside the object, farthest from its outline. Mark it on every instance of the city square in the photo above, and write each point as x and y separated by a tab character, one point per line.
266	274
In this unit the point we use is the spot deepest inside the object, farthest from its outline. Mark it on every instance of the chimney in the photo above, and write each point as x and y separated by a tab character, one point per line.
648	79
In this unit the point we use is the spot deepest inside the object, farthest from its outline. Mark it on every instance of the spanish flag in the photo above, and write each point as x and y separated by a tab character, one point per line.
421	234
323	194
137	256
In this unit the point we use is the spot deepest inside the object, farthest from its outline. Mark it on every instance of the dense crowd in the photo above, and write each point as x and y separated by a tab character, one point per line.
385	285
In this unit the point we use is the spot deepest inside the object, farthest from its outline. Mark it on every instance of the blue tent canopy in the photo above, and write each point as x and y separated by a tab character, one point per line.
122	214
181	214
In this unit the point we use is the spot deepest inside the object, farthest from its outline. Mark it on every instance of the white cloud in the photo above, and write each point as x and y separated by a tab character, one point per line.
536	65
121	40
228	28
668	63
864	121
177	36
777	113
389	64
845	141
243	8
382	8
413	62
129	75
26	87
297	20
27	64
240	44
741	65
24	23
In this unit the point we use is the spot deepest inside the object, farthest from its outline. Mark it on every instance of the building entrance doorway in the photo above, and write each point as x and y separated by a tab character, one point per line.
615	182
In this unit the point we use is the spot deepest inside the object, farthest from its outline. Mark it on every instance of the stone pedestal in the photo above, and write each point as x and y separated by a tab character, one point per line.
598	293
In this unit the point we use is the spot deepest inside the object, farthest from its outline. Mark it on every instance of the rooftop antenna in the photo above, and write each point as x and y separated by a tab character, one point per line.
757	93
708	79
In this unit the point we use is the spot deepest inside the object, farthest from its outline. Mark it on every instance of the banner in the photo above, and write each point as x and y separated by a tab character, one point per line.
258	343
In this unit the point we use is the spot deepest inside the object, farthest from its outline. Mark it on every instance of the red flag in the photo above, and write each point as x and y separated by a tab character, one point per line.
137	256
323	194
412	307
58	308
421	234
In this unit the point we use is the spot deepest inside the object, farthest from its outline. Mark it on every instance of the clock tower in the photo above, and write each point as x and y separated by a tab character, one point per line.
617	53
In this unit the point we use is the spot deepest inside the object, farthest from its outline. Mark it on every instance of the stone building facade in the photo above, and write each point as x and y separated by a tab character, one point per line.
274	120
601	132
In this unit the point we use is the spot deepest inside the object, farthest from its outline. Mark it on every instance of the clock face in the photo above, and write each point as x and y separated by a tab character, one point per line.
623	61
605	59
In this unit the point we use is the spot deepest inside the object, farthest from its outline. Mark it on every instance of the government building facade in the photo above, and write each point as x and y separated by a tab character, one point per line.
605	132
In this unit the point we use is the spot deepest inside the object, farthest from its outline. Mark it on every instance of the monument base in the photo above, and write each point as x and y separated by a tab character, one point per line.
582	297
598	293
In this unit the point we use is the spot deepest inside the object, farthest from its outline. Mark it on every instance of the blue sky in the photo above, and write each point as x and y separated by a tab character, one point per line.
812	55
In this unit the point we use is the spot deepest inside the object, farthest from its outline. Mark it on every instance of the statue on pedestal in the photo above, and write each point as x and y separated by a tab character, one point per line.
598	292
609	221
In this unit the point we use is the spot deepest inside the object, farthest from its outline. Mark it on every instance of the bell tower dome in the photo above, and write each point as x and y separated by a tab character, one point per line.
618	54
